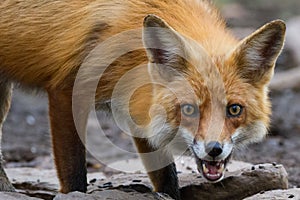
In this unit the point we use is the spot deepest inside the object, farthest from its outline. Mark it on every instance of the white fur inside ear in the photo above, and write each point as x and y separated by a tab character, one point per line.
256	55
253	58
162	45
258	45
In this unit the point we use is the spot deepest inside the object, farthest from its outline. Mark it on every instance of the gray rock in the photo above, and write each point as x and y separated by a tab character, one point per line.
293	193
15	196
112	194
236	185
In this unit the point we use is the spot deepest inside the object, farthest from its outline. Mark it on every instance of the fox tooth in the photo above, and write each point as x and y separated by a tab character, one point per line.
205	170
221	169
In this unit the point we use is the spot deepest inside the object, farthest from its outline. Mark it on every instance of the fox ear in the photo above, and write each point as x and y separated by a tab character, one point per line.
256	55
164	46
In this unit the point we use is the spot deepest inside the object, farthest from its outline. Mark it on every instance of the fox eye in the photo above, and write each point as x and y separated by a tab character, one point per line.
234	110
189	110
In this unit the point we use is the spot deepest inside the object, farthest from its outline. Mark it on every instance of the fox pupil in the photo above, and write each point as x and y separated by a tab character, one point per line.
234	110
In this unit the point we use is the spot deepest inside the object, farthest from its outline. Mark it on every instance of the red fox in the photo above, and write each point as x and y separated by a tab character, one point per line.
206	91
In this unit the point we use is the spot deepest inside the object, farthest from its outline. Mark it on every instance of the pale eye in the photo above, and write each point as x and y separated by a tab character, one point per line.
189	110
234	110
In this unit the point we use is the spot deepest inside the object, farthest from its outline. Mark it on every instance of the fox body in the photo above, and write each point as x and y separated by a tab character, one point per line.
192	84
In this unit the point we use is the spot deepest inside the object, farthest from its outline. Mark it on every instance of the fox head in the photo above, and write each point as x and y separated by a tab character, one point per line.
210	104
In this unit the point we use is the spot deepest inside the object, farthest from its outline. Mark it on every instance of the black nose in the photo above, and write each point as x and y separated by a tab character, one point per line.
213	149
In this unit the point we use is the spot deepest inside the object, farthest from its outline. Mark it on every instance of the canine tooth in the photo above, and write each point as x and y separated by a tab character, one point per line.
204	168
221	168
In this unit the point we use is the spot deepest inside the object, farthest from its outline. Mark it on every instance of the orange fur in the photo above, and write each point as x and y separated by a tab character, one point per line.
44	43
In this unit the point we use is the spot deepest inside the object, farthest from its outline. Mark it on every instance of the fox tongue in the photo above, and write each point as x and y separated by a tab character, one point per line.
213	170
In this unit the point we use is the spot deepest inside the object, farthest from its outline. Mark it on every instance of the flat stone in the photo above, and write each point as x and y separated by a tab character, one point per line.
293	193
111	194
15	196
42	183
236	185
42	176
21	175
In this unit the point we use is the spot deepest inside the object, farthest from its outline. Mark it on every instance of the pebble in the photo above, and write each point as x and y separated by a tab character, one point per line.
291	196
106	185
93	180
30	120
136	181
261	167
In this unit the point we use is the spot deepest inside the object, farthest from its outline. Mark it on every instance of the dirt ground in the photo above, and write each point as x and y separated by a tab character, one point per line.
26	139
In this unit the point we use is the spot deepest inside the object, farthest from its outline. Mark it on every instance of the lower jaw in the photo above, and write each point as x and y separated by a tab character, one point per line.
213	178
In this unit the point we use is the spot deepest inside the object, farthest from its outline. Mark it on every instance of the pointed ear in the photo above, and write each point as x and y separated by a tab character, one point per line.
256	55
164	46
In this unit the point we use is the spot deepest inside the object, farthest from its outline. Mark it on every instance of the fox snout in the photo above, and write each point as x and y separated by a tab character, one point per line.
213	149
212	158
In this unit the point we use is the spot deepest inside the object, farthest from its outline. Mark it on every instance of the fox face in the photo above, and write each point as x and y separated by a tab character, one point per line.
209	104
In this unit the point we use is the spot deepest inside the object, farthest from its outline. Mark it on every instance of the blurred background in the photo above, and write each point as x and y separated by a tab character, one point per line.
27	142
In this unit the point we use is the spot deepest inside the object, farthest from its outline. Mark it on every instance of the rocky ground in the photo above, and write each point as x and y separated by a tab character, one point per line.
26	140
241	180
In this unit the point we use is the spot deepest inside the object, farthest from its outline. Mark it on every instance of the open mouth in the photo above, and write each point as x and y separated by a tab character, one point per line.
212	170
